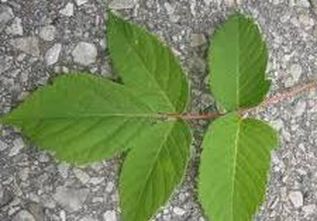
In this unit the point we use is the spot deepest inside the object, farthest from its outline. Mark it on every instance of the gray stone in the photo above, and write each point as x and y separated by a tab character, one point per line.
29	45
309	209
110	215
24	174
314	5
87	218
68	10
52	54
16	27
5	196
23	215
232	2
122	4
18	144
179	211
207	2
295	73
300	108
62	215
296	197
197	40
110	187
96	180
3	145
81	2
70	199
63	169
48	33
43	158
37	211
304	3
6	14
85	53
81	175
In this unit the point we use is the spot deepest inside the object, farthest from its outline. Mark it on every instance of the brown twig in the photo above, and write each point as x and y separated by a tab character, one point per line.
287	93
195	116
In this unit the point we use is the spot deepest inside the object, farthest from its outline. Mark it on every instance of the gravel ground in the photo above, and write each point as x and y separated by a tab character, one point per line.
40	38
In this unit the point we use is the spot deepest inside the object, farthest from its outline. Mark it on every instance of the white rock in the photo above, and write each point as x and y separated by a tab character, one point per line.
16	27
48	33
169	8
23	215
296	71
63	169
122	4
197	40
110	187
52	54
3	145
85	53
81	175
18	144
81	2
43	157
110	216
96	180
309	209
207	2
6	14
87	218
300	108
62	215
232	2
70	199
306	20
179	211
68	10
314	5
303	3
296	197
29	45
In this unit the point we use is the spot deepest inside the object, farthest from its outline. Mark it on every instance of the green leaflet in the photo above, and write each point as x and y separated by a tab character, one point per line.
83	118
237	62
152	170
234	166
147	66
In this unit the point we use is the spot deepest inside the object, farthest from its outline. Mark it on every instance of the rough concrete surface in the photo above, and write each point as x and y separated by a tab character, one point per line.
41	38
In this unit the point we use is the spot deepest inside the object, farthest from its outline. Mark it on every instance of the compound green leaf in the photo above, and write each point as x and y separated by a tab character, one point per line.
234	165
152	170
237	62
83	118
147	65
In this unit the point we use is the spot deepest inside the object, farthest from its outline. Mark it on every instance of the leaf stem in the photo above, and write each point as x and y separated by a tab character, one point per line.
195	116
286	94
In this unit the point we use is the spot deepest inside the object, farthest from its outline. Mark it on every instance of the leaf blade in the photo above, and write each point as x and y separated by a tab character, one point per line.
234	166
147	65
153	169
237	61
82	118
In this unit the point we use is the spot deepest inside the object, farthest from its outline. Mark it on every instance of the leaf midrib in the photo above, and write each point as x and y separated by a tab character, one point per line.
235	156
91	116
148	73
238	66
